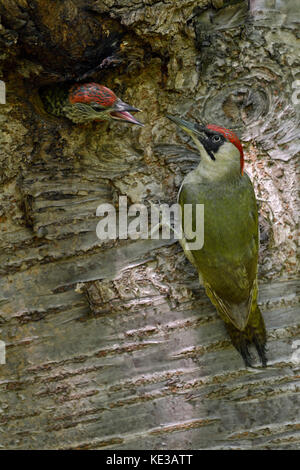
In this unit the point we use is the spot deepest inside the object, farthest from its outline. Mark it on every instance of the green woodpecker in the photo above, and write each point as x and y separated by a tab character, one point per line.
86	102
227	262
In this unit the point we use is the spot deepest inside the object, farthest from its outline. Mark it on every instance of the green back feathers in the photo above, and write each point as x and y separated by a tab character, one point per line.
228	259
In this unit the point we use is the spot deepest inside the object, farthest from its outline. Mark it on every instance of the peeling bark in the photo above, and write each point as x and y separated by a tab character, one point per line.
113	344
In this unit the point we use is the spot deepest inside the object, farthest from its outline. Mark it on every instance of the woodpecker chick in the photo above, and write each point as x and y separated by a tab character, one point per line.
227	262
87	102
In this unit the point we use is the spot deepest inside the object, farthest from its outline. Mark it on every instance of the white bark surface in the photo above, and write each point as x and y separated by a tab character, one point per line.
113	345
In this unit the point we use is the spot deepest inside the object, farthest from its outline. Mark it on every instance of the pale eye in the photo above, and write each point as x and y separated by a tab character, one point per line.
216	138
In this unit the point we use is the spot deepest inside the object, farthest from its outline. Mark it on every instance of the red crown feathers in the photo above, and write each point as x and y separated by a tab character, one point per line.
232	137
87	92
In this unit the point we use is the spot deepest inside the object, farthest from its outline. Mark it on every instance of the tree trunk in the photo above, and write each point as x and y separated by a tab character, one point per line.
112	344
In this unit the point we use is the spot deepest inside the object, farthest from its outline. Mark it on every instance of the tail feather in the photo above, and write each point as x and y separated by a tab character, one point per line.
254	333
261	349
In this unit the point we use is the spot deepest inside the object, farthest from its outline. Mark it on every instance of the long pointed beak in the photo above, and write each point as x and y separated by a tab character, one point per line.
121	111
190	128
121	106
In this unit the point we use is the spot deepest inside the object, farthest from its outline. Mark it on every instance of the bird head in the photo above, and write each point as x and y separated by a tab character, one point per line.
95	102
220	149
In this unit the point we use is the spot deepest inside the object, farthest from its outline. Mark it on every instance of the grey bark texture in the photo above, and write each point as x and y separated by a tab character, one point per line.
113	344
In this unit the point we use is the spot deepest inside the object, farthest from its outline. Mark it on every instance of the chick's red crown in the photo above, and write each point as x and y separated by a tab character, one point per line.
92	92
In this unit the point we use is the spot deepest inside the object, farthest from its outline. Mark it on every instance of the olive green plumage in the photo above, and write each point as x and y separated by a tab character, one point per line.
227	262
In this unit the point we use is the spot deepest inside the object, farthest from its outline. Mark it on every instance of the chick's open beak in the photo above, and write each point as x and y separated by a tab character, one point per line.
121	111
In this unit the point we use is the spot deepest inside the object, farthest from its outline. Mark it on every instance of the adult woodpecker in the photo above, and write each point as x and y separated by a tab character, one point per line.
87	102
227	262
